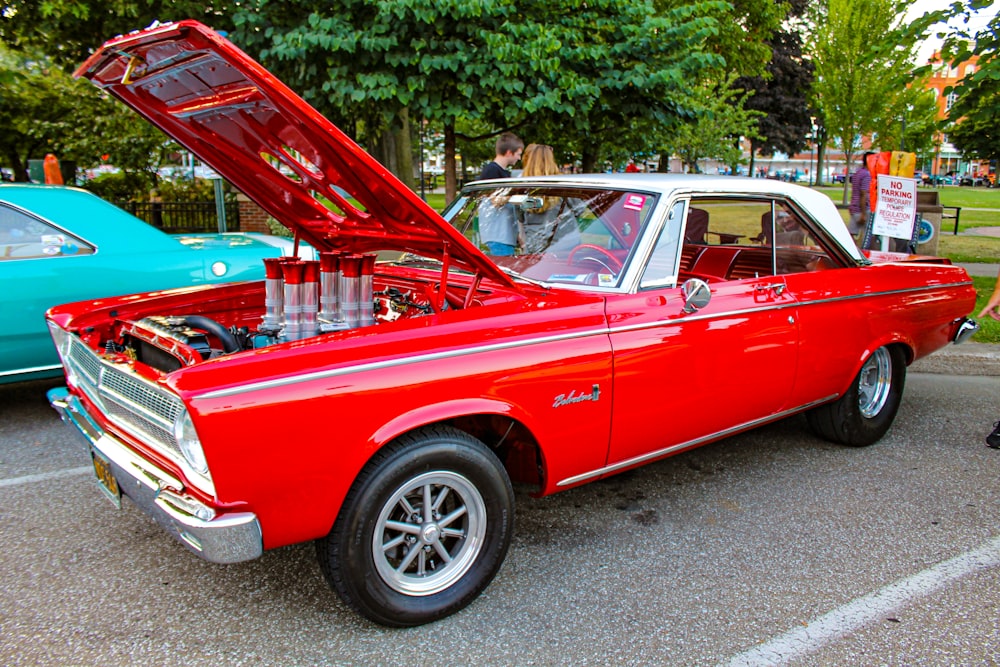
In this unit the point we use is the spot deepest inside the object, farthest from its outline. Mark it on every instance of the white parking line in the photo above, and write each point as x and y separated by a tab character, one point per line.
844	620
45	476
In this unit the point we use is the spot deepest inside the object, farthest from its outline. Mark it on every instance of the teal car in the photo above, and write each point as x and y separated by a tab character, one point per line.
62	244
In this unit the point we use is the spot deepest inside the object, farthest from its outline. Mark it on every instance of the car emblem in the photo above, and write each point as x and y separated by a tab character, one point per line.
573	397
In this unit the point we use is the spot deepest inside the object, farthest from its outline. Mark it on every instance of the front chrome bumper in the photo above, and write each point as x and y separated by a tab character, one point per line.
223	538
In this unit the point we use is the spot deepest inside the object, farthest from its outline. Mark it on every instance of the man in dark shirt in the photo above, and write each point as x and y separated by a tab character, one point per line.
497	227
508	149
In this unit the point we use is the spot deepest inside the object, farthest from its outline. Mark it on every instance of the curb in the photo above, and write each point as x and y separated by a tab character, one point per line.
965	359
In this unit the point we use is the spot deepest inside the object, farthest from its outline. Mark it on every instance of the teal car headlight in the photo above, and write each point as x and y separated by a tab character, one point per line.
189	444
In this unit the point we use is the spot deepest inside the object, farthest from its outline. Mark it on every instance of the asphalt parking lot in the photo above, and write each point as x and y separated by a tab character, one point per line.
772	547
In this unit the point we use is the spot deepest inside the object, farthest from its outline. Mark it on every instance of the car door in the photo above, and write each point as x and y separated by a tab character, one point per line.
682	377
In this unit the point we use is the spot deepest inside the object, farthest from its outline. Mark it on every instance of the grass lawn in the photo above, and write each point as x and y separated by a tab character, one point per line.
436	200
989	331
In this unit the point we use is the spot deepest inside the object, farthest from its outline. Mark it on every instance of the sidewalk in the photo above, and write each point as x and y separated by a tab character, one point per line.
987	270
967	358
964	359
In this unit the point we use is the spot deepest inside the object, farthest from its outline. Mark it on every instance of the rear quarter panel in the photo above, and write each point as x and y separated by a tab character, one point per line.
845	314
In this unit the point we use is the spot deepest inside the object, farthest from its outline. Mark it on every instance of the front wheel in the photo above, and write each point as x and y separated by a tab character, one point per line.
423	530
866	411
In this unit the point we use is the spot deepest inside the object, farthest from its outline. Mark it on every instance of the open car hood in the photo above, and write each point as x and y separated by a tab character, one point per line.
224	107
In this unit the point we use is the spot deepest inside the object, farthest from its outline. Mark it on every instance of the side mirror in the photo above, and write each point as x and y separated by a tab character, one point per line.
531	203
696	294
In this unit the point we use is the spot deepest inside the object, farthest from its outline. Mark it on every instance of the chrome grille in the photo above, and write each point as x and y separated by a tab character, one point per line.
132	403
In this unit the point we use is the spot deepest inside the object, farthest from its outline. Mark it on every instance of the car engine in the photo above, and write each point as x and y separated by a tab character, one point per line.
302	299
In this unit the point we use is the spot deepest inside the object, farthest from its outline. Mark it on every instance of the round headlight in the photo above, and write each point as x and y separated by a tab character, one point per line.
190	445
219	269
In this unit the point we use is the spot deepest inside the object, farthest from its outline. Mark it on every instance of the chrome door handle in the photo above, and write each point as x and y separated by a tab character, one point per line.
777	288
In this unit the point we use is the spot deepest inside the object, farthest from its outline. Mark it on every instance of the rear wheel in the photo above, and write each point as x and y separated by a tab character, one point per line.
423	530
866	411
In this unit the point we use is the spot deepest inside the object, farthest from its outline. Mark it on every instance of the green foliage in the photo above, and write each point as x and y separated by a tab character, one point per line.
68	31
39	111
586	68
721	121
120	186
44	110
914	125
744	32
989	331
186	189
862	67
972	121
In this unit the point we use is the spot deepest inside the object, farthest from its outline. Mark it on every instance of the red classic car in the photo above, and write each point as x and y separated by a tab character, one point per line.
381	400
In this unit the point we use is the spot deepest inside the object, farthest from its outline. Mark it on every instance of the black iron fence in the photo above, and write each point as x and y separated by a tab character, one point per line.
180	217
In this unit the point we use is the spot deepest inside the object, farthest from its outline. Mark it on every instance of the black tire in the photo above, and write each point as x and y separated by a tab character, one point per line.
865	412
435	565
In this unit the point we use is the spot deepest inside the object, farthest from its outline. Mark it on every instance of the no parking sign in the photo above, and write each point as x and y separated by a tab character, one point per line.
895	207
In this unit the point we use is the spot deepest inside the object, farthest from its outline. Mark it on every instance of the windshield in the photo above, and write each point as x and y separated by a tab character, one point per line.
554	233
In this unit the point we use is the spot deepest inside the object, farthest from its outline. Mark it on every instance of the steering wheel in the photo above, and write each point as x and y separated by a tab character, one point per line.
598	255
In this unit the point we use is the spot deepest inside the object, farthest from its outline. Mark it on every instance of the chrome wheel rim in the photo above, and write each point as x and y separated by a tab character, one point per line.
874	383
429	533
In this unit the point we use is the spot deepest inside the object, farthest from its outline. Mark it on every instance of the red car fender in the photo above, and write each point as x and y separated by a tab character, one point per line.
438	412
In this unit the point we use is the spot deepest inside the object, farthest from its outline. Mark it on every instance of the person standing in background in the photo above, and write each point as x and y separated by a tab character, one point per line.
860	205
553	224
497	226
508	151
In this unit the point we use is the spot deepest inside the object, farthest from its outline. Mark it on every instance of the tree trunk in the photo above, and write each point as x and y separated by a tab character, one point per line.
846	195
404	151
17	167
663	166
450	181
383	149
588	159
820	156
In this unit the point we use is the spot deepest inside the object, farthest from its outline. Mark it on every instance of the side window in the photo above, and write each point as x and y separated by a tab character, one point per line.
25	237
661	270
747	238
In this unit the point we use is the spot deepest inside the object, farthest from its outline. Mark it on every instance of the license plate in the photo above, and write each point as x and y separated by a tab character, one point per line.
106	478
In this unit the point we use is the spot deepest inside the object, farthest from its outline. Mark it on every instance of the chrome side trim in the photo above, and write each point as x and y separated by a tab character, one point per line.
603	331
34	369
690	443
226	538
392	363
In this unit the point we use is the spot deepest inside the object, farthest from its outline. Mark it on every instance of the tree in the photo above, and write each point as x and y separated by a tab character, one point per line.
38	111
746	27
68	31
44	110
915	127
587	68
781	94
722	120
976	133
862	53
973	119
